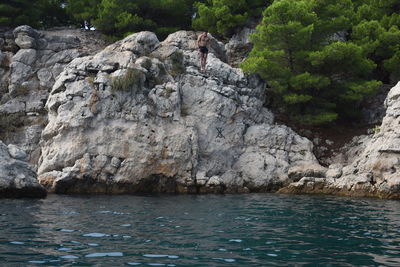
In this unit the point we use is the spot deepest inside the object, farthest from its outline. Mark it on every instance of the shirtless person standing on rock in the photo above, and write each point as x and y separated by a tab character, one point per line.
202	42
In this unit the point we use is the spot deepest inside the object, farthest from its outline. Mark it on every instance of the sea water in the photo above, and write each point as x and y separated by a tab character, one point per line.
200	230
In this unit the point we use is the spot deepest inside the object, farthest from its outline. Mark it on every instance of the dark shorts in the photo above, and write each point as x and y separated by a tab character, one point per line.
203	49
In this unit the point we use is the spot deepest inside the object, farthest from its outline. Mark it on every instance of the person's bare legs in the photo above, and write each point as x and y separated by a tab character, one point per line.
203	61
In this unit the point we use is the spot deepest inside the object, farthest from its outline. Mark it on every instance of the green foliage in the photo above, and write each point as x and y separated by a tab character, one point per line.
376	129
168	15
121	17
131	81
332	17
17	12
377	31
314	75
37	13
118	18
51	13
221	17
322	117
81	10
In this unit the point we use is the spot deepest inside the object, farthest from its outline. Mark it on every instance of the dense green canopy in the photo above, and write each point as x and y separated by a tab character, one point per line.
16	12
322	57
121	17
36	13
222	17
377	31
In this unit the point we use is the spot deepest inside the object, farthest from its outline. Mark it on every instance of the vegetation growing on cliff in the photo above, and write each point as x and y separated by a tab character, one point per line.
130	81
321	58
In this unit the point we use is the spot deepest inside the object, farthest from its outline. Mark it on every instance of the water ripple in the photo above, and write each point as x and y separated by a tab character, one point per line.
204	230
96	235
104	254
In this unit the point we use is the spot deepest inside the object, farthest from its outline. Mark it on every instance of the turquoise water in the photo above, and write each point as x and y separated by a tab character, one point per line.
205	230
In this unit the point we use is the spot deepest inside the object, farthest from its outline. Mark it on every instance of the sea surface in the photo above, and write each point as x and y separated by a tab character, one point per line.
200	230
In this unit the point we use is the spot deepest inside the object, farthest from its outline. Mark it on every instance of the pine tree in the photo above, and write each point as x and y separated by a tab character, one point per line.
81	10
17	12
168	15
222	17
378	32
51	13
121	17
313	72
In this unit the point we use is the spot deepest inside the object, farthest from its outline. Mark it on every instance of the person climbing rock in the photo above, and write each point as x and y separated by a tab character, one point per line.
202	43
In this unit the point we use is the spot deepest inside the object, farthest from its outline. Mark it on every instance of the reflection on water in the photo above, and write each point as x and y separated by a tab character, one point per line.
209	230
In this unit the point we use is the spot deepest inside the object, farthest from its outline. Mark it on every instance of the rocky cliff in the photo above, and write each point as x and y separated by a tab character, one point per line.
139	116
374	171
30	62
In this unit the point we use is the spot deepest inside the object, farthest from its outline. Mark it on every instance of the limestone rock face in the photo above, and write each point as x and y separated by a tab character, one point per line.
17	178
188	40
239	46
30	62
140	117
375	170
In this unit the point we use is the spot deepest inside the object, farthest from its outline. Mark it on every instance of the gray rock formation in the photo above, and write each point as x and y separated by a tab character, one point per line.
375	171
30	61
140	117
239	46
373	108
17	178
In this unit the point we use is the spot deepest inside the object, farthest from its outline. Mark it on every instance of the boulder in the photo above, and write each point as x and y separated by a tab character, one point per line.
20	72
16	153
17	178
25	37
141	43
25	56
